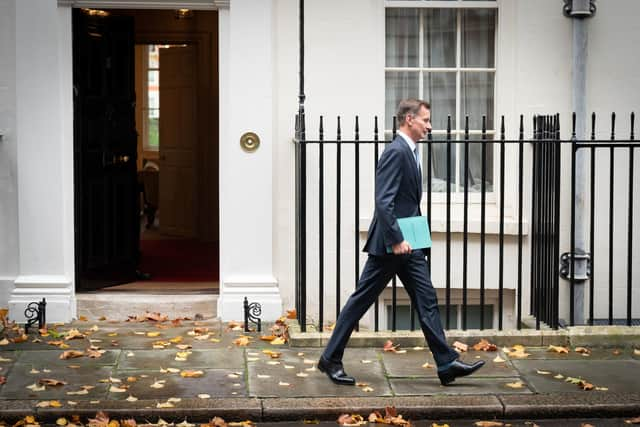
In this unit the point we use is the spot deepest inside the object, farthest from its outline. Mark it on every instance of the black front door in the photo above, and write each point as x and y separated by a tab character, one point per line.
106	191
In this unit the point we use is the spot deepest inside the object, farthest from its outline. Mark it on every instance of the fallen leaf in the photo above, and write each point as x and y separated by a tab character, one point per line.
543	372
390	346
20	339
278	341
558	349
116	389
636	352
517	384
131	398
559	376
62	421
268	337
585	385
499	359
484	345
351	420
4	341
583	350
617	352
242	341
460	347
36	387
302	374
292	314
365	361
204	396
488	424
165	405
517	352
69	354
367	389
284	384
158	384
191	374
439	425
427	365
51	382
635	420
261	376
78	393
73	334
602	389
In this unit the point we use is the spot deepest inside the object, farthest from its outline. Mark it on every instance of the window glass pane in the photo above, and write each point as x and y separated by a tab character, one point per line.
439	38
154	56
473	317
398	85
478	29
477	98
153	89
439	164
401	39
453	316
475	164
403	317
153	138
440	92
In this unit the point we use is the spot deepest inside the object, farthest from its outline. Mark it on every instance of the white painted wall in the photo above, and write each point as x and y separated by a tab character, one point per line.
44	154
345	76
8	153
246	204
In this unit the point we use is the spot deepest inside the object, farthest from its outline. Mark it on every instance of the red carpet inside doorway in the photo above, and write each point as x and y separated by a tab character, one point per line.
179	260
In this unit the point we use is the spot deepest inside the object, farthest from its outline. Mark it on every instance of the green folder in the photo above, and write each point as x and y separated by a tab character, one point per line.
415	230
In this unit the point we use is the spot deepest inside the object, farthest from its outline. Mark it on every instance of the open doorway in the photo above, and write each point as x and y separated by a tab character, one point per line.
175	146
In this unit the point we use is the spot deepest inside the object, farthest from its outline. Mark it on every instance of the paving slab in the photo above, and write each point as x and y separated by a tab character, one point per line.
613	353
292	375
214	382
20	378
195	410
412	408
50	359
462	386
197	359
410	364
580	404
616	375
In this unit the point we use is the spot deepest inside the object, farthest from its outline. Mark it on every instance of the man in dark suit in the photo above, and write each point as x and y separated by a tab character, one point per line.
397	194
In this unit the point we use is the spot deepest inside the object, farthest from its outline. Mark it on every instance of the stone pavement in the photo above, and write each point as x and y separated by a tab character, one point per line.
143	373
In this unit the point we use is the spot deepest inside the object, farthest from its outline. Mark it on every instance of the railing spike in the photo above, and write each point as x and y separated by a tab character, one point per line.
484	126
633	120
613	126
339	131
593	125
357	128
521	129
502	129
375	128
321	127
573	125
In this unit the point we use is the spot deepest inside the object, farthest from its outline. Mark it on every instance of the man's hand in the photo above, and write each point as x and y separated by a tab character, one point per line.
401	248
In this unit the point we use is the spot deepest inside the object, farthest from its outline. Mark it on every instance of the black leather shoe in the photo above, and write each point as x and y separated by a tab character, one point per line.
458	369
335	372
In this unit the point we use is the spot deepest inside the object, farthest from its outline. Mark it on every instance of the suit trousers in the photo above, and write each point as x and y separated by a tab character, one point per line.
413	271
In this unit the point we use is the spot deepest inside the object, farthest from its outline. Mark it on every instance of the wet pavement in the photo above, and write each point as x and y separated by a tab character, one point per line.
195	370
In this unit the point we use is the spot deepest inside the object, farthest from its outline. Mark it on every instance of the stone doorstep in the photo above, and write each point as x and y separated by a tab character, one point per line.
603	336
562	405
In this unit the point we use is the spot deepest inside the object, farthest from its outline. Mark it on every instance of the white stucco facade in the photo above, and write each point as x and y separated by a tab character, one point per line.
344	76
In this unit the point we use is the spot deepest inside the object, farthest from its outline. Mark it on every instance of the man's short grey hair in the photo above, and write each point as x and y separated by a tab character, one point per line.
410	106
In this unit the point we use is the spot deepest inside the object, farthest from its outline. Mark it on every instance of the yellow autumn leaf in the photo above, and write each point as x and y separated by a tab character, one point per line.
559	349
153	334
191	374
242	341
517	384
62	421
498	359
278	341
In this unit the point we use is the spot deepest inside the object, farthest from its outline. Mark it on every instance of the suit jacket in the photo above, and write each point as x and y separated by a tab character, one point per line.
398	192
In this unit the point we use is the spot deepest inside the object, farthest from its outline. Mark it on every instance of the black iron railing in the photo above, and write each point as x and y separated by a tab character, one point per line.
544	174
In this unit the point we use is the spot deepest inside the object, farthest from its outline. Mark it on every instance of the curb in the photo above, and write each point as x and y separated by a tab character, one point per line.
565	405
602	336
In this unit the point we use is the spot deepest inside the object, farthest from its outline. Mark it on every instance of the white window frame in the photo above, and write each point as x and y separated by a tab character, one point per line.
457	196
